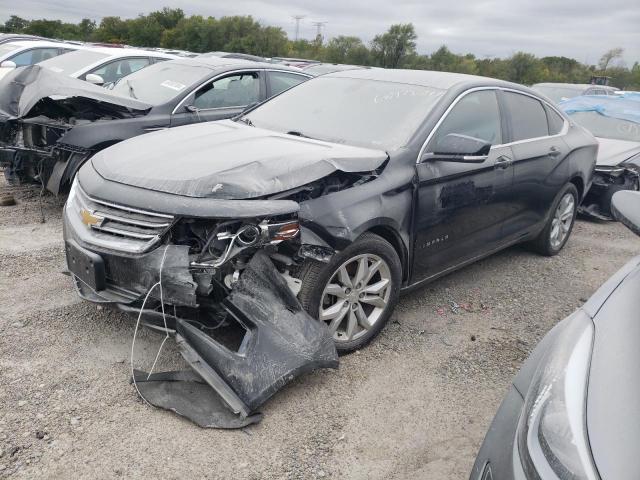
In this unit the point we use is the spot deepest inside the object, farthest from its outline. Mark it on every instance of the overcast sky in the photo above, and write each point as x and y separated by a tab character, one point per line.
487	28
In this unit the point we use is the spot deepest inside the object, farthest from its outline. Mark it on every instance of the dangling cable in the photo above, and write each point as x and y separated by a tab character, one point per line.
135	332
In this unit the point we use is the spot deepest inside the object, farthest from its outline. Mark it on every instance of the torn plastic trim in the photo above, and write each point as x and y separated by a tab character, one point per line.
281	342
607	181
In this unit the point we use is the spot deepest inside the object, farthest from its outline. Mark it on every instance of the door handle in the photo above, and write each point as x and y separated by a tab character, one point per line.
554	152
503	162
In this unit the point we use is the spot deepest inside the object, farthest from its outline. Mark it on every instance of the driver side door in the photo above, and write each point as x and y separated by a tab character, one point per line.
222	97
460	206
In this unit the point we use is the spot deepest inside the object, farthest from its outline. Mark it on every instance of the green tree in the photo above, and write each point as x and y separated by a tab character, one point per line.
168	17
524	68
112	30
390	48
86	29
15	24
608	57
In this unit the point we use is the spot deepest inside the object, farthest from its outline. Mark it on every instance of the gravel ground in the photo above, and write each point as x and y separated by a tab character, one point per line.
414	404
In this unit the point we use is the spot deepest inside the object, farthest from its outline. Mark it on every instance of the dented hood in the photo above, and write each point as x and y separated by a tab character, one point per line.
613	152
23	88
228	160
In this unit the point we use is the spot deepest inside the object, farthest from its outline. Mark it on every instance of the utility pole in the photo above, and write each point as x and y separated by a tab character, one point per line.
319	26
297	18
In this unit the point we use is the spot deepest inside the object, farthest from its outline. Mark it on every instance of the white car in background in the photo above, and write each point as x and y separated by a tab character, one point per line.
104	65
27	52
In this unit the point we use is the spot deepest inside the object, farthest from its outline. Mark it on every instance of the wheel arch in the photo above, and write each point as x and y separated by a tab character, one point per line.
392	236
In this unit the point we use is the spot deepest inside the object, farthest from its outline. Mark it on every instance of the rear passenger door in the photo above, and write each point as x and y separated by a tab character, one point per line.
535	134
220	98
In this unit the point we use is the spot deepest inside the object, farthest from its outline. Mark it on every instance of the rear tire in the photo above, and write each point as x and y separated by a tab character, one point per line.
355	293
556	232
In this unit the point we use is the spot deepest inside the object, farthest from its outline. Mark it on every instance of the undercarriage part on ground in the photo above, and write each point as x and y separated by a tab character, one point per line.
597	202
278	342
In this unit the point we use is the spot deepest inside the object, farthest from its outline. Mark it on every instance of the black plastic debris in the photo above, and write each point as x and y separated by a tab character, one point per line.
186	394
280	342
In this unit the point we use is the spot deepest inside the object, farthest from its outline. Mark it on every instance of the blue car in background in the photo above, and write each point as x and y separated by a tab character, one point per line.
615	122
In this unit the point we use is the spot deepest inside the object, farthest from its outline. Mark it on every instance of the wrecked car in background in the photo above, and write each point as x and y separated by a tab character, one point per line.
348	188
615	122
572	412
51	124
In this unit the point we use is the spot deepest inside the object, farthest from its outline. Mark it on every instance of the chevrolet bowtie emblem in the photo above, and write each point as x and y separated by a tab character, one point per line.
89	219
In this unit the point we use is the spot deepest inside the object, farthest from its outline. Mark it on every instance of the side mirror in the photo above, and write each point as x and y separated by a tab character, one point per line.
455	147
8	64
625	206
94	78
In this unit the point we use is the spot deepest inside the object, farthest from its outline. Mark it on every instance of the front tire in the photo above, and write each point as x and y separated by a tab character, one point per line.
556	232
355	293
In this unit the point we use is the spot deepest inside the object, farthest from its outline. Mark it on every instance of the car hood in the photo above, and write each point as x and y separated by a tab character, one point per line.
613	409
613	152
24	88
228	160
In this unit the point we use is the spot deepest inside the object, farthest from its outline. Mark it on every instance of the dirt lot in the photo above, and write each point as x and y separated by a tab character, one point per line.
414	404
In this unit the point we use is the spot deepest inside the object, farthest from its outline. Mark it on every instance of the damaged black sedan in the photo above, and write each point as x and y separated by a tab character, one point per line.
355	185
51	124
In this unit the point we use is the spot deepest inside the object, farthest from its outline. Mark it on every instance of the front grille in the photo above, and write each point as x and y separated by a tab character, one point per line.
122	228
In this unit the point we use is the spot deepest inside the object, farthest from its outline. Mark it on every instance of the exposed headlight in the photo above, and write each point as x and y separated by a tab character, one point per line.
552	435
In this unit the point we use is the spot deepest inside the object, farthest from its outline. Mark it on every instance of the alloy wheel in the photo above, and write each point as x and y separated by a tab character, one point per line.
562	220
356	296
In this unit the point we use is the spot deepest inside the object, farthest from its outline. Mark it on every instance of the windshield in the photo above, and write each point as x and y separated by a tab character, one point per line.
7	48
73	61
367	113
161	82
558	94
608	127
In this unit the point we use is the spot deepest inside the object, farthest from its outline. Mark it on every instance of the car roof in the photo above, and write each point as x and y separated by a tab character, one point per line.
40	43
583	86
117	52
425	78
223	63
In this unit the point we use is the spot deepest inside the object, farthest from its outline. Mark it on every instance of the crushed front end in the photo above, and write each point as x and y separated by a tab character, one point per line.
221	284
607	180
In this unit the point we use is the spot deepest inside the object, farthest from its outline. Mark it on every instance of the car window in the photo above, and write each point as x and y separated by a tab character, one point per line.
34	56
556	122
475	115
112	71
281	81
528	118
235	90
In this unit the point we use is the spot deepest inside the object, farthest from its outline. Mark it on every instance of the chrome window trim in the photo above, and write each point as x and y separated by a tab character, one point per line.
563	131
230	72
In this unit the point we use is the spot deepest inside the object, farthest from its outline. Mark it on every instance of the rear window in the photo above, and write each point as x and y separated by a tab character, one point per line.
528	118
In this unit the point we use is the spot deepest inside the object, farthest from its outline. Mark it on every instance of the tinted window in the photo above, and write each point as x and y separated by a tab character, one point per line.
353	111
235	90
528	119
281	81
34	56
475	115
556	122
112	71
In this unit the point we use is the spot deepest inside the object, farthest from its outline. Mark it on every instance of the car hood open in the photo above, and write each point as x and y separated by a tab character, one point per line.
613	152
24	88
228	160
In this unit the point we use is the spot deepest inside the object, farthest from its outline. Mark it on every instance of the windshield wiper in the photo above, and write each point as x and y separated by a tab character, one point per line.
299	134
246	121
131	91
